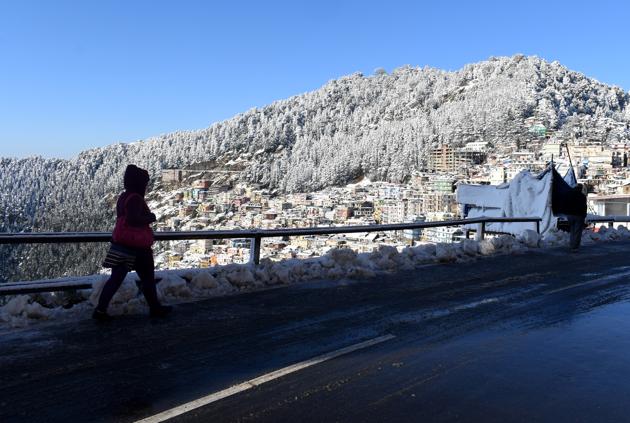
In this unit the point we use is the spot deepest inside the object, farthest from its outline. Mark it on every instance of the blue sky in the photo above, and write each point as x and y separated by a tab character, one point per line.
81	74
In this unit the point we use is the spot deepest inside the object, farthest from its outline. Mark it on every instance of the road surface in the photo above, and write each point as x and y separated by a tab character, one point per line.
540	336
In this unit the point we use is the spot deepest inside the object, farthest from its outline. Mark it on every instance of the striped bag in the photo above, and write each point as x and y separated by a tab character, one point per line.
119	255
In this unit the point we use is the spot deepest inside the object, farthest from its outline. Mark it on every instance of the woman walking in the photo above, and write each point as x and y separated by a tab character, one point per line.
131	245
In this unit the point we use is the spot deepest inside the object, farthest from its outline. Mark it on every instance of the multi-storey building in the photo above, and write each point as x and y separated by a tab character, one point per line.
443	234
363	209
392	211
446	159
436	202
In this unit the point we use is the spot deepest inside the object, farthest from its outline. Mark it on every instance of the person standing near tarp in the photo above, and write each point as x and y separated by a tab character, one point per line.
570	202
575	211
131	245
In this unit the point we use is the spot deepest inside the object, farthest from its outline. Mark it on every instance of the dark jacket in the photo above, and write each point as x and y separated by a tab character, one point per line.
137	211
575	203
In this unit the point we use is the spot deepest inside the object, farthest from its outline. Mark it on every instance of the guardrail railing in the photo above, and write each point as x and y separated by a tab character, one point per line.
611	220
256	236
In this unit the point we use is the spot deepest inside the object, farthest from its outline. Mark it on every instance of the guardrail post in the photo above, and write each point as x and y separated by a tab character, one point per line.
611	224
481	229
254	250
538	227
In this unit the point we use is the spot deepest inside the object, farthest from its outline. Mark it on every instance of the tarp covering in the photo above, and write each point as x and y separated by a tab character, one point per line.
570	178
526	195
561	193
489	196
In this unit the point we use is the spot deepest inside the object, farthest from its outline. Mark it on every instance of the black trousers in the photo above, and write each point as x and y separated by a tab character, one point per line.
145	270
576	226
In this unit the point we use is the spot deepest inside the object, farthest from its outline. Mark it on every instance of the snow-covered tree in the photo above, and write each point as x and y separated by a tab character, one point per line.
380	127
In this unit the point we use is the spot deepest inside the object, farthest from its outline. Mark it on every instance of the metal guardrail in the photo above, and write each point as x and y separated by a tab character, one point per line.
54	285
611	220
80	237
256	235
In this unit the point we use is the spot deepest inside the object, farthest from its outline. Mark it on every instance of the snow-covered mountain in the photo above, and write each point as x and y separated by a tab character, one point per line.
378	126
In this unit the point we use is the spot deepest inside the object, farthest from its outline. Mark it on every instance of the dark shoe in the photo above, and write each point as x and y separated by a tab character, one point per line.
101	316
160	311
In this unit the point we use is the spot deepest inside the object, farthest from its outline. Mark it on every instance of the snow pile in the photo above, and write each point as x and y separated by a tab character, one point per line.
192	284
530	238
470	247
605	233
554	238
23	307
204	281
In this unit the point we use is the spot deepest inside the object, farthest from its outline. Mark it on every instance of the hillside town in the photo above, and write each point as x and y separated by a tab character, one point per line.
198	199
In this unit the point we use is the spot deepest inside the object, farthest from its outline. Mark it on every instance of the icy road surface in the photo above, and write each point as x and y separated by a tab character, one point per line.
542	336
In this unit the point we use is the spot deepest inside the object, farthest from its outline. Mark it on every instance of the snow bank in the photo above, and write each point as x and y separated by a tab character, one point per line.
193	284
19	309
530	238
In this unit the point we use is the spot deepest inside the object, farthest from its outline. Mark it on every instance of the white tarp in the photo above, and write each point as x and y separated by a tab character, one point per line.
524	196
489	196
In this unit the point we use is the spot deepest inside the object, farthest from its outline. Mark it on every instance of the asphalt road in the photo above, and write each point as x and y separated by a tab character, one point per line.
542	336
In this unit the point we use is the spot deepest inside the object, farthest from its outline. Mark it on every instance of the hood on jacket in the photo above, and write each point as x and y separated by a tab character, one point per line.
136	179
